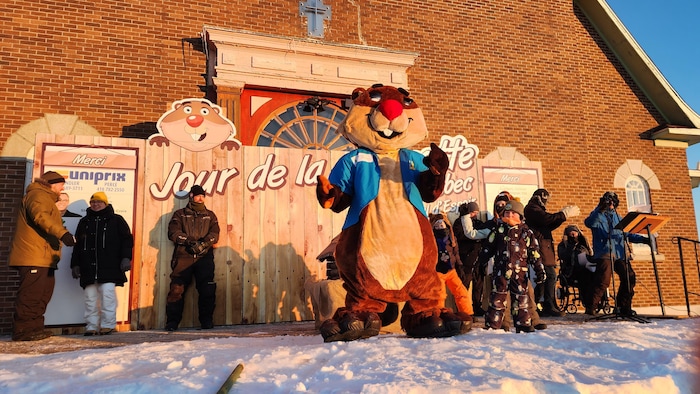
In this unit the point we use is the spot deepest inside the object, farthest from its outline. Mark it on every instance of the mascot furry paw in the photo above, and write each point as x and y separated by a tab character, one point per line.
387	253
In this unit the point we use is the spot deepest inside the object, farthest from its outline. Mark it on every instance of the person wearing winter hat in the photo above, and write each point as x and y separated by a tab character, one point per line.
498	209
513	247
608	252
35	252
102	255
469	231
500	202
448	261
542	223
194	230
572	273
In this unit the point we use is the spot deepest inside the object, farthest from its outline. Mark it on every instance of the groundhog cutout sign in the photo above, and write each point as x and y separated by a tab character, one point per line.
197	125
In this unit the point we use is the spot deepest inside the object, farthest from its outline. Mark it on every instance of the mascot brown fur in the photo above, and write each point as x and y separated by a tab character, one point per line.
387	253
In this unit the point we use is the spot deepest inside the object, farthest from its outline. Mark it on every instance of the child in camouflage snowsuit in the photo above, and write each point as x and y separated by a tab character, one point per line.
513	246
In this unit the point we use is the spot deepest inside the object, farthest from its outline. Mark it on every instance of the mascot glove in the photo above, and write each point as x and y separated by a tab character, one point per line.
125	264
437	160
571	211
75	272
68	239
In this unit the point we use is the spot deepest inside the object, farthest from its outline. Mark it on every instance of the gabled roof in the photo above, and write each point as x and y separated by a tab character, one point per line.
682	123
682	126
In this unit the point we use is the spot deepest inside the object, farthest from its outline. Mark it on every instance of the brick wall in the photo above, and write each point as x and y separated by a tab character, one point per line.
529	74
12	179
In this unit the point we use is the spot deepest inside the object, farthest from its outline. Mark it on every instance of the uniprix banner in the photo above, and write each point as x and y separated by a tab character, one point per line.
87	170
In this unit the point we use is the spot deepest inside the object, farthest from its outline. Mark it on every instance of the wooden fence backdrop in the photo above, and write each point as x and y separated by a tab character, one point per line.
272	227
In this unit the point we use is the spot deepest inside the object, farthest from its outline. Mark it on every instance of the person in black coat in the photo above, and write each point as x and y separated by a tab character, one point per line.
194	230
101	256
542	223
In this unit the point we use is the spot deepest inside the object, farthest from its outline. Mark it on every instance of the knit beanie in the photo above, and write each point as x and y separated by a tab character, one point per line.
100	196
515	206
503	196
472	206
53	177
197	190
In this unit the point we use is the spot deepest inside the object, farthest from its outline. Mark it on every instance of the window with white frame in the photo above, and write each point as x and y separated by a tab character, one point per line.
637	192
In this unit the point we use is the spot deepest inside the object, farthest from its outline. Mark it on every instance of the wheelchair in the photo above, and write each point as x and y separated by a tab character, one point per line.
569	296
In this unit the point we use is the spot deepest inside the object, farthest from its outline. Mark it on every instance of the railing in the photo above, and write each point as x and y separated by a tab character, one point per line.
694	244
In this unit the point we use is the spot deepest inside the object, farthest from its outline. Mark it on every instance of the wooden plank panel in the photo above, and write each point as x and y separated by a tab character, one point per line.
218	204
139	235
157	251
252	305
296	269
234	238
268	255
283	235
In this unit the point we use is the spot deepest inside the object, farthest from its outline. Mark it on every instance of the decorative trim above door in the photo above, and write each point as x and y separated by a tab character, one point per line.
237	58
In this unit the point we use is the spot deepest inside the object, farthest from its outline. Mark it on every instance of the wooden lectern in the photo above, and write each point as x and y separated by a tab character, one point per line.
640	223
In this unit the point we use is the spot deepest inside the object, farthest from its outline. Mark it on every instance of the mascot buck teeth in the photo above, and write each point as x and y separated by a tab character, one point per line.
387	253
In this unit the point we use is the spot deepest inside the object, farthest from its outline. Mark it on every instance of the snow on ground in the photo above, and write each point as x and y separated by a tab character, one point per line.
595	357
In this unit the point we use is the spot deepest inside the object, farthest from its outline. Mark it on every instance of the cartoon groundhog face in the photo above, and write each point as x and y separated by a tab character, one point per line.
383	119
196	125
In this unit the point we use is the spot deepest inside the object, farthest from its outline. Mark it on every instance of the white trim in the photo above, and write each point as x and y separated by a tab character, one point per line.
241	58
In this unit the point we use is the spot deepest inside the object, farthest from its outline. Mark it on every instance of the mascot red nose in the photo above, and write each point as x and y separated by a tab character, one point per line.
386	253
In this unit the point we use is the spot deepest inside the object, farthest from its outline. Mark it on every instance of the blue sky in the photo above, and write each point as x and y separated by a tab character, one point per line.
669	32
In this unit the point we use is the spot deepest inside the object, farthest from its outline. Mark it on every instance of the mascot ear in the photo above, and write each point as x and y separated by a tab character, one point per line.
357	92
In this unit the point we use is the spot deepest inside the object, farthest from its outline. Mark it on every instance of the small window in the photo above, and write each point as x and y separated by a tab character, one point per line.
637	191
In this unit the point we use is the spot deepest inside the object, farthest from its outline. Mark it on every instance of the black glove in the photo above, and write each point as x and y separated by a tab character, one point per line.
68	239
541	277
75	271
190	240
199	247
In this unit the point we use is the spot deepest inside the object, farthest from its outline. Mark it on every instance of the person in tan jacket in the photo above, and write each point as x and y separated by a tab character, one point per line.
35	252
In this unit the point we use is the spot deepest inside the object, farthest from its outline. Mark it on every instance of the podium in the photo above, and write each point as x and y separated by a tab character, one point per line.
648	223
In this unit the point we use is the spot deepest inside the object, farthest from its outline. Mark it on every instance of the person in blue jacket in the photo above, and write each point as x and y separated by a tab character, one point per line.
608	247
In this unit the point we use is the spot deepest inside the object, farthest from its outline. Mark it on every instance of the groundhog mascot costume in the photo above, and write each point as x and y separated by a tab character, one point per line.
387	253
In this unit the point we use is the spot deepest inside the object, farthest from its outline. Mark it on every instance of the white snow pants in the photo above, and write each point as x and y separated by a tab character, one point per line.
100	306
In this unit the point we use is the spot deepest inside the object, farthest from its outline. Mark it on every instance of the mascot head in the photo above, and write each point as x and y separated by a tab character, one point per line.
383	119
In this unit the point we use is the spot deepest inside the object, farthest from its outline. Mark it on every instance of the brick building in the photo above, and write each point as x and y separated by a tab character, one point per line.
560	83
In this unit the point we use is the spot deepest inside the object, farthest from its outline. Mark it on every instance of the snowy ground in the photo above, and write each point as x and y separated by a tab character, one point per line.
594	357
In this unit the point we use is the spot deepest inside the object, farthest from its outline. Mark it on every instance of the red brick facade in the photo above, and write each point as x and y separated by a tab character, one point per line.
532	75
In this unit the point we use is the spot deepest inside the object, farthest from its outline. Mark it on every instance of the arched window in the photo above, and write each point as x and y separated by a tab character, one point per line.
638	197
304	126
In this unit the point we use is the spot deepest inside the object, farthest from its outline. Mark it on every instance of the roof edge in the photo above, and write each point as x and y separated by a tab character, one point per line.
641	68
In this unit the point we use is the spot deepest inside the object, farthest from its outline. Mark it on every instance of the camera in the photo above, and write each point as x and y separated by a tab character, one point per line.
609	198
